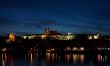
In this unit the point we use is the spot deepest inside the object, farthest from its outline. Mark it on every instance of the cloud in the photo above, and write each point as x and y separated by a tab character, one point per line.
6	23
41	24
95	27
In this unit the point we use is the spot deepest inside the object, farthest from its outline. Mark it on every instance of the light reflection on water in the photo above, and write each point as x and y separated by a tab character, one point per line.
102	58
7	60
49	59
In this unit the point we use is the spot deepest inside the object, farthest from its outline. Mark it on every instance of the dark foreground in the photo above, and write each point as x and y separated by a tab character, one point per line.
54	59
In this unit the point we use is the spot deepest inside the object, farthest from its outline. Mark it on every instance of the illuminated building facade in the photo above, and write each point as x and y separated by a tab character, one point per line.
11	37
95	36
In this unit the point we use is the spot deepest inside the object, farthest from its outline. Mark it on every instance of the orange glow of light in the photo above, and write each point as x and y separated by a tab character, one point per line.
11	37
48	56
53	57
82	48
82	58
75	49
52	49
31	58
75	57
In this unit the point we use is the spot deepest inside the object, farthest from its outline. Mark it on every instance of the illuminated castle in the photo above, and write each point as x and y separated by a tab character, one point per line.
50	32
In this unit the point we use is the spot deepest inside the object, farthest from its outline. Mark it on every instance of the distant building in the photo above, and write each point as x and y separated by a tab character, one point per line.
29	36
94	36
56	35
11	37
50	32
67	37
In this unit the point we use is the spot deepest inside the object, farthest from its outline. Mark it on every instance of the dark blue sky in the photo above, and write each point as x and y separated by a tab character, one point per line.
76	16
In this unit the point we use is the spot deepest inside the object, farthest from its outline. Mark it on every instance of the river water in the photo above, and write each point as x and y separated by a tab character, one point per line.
53	59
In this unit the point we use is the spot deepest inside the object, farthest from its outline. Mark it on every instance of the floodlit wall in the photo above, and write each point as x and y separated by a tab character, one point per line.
66	37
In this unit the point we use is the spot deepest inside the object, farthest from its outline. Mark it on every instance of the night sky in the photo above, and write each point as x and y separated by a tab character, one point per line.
33	16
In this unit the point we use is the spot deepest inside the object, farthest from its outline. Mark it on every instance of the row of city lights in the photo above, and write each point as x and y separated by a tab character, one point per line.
68	49
68	36
103	48
75	49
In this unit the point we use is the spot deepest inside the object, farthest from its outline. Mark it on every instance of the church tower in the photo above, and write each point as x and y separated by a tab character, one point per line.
11	37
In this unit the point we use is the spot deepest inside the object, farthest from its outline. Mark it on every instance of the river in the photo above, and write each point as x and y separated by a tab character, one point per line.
54	59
